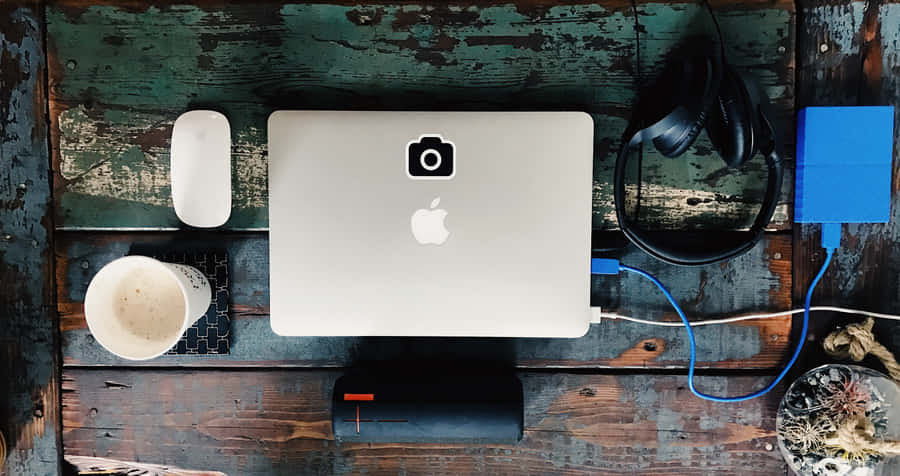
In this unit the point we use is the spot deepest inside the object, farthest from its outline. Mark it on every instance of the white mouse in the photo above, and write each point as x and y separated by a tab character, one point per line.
201	168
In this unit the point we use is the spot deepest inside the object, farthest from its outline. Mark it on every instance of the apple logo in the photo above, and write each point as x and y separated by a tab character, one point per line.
428	225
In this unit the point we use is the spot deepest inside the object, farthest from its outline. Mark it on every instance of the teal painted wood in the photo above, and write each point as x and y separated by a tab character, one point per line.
758	280
278	422
851	53
121	75
29	373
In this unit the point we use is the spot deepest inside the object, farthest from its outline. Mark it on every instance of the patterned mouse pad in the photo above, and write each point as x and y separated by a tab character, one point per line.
211	334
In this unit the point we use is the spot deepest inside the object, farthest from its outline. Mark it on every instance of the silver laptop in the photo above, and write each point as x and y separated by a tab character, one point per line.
430	223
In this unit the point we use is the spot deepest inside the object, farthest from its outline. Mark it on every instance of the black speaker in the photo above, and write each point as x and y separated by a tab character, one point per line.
423	408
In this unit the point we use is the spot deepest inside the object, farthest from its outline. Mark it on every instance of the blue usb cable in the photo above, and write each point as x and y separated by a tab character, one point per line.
831	237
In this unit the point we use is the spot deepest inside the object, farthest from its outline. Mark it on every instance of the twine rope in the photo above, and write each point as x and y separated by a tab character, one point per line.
857	437
856	341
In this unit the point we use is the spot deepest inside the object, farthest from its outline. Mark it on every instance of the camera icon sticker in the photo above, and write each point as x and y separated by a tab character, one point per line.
430	157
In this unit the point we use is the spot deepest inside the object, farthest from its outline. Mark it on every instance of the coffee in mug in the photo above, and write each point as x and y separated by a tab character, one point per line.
138	307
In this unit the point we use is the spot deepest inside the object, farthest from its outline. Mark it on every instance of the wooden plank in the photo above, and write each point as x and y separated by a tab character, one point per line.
121	72
29	373
850	55
759	280
278	422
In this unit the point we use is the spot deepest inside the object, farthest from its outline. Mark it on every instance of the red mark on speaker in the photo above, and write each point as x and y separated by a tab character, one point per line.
359	397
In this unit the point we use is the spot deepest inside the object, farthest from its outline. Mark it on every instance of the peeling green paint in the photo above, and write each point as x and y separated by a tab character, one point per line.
126	71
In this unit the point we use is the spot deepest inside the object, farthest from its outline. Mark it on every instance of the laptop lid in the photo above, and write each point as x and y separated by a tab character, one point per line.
430	223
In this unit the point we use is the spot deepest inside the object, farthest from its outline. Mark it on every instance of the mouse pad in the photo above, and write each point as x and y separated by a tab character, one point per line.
211	334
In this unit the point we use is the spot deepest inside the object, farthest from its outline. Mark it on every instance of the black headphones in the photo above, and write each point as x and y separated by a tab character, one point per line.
701	90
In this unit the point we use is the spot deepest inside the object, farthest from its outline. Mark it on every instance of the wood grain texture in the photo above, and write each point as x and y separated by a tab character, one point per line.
121	72
758	280
858	65
29	373
278	422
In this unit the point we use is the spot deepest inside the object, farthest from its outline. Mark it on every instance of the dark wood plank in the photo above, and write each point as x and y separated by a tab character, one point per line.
759	280
849	55
278	422
121	72
29	372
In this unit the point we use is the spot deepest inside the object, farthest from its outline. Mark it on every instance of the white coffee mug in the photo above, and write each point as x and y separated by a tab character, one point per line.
138	307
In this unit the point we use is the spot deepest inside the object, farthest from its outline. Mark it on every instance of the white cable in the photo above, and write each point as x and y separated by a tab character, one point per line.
598	315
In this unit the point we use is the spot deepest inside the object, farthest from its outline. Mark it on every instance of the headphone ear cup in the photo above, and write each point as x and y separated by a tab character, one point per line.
696	90
673	145
730	126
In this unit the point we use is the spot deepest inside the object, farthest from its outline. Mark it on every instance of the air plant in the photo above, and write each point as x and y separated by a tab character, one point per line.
845	398
806	435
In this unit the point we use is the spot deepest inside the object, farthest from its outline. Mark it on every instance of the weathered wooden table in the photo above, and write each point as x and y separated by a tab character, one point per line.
93	88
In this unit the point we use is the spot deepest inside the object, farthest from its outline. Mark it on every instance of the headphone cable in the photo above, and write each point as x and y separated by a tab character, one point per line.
718	29
640	86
